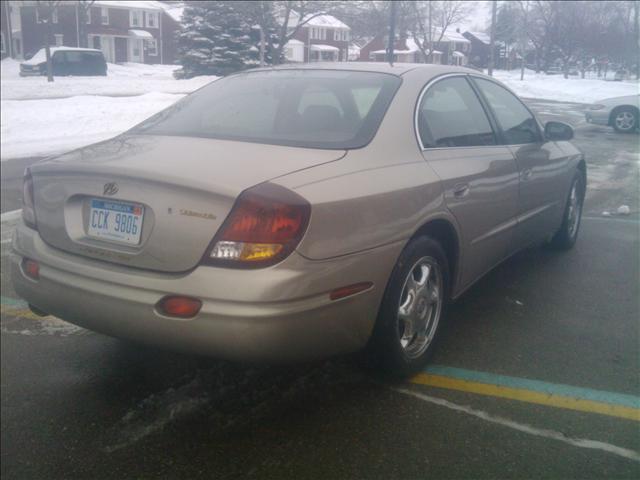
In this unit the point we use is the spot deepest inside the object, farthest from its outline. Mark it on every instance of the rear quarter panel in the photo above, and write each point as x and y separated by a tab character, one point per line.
375	195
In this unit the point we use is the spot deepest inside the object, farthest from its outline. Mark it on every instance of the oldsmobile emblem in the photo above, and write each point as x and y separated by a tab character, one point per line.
110	188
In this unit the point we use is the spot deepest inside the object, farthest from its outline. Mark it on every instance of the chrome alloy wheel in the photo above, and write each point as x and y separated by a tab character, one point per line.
574	210
625	121
420	307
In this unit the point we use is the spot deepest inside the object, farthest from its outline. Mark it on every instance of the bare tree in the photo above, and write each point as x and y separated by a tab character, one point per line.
46	9
433	19
302	12
83	13
524	34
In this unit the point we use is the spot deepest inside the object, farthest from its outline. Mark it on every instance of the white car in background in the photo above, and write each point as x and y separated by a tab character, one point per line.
621	113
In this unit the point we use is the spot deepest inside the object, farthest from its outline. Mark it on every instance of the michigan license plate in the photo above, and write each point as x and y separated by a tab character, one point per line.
116	221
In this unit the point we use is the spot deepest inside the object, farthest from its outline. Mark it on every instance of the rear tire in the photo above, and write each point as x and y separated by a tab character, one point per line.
412	309
625	120
565	238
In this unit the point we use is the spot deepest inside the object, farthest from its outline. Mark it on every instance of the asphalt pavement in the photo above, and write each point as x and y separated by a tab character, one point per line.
536	375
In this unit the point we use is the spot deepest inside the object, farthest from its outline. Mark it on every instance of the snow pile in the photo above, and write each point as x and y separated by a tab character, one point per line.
39	118
572	89
121	80
44	127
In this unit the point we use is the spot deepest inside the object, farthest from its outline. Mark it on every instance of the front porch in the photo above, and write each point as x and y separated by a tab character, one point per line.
139	46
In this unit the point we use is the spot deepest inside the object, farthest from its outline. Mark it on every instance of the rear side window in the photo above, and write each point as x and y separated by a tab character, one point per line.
450	115
516	122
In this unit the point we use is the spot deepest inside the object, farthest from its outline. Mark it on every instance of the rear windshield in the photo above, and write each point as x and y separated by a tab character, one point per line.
300	108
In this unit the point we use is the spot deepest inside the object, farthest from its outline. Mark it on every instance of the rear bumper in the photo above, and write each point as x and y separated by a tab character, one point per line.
281	313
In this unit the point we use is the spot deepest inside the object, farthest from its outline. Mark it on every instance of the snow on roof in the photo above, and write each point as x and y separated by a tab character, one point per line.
317	47
140	34
452	36
483	37
143	4
174	10
41	55
327	21
293	41
458	54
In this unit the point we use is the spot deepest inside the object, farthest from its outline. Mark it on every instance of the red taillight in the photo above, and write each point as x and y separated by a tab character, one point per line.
28	206
178	306
265	225
31	268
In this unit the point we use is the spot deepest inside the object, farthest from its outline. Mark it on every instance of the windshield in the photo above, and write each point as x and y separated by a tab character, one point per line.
301	108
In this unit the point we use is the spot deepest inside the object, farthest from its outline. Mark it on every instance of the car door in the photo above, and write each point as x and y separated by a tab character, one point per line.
541	164
479	176
58	64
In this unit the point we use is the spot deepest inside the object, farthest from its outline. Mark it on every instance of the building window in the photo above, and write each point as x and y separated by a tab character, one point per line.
104	15
152	47
54	16
2	48
342	35
135	18
318	33
96	43
59	39
152	19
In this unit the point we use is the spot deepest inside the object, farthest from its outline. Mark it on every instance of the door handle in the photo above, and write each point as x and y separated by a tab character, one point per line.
526	174
460	190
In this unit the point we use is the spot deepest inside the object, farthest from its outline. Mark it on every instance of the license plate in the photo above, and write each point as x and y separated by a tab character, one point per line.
117	221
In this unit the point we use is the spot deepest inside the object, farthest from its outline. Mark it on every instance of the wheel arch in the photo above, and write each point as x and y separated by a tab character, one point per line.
615	111
444	232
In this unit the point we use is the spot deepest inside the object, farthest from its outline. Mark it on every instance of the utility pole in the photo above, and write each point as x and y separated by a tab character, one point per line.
392	33
262	33
430	57
492	42
636	29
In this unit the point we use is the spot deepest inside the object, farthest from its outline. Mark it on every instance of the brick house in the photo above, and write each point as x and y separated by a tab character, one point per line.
126	31
480	50
452	49
324	38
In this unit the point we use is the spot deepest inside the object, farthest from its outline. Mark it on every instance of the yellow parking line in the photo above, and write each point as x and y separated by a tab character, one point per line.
18	312
530	396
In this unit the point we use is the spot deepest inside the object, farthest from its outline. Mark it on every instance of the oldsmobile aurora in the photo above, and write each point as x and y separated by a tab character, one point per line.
292	213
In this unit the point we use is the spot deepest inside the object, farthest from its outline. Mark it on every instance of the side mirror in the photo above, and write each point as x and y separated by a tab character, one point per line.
558	131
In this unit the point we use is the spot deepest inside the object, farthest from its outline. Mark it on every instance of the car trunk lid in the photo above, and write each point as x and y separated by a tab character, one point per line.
183	188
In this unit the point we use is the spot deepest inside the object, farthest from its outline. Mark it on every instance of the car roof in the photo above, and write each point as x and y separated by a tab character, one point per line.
380	67
40	55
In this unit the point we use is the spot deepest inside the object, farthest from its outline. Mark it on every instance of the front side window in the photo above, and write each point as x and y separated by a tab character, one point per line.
300	108
450	115
516	122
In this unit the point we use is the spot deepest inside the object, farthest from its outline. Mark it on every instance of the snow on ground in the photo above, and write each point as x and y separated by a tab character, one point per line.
121	80
572	89
31	128
39	118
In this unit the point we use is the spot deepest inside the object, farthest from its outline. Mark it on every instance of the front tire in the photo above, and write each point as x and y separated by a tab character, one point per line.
412	309
565	238
625	120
